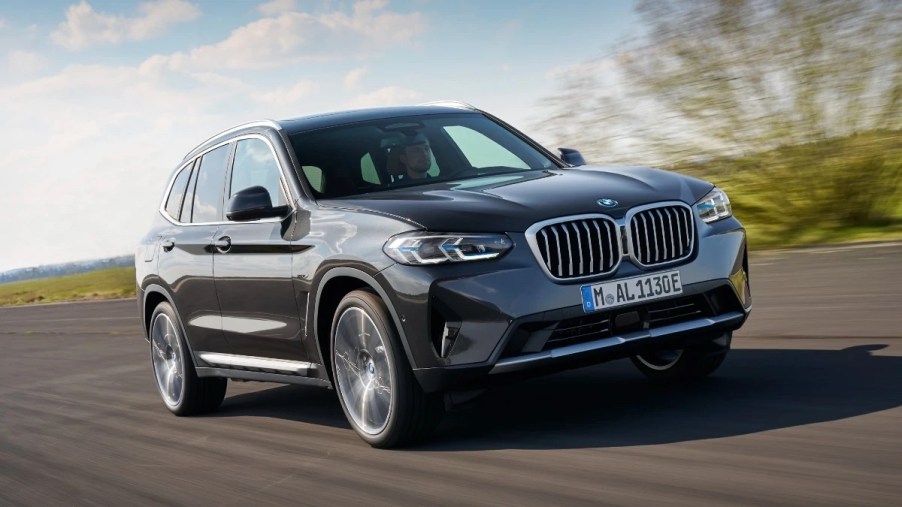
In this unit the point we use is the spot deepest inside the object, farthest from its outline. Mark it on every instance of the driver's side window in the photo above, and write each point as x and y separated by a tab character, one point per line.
255	165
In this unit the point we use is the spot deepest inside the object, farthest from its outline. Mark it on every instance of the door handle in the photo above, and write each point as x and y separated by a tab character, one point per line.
223	244
167	244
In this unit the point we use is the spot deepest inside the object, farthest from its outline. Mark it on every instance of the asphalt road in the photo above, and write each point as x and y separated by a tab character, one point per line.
806	410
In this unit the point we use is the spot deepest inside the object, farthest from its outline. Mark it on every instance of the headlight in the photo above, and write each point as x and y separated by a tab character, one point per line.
714	206
418	248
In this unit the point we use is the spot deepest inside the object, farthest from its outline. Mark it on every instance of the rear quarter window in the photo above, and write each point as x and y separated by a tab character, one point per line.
177	193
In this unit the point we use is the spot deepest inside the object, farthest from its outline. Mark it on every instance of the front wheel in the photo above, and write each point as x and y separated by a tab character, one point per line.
678	365
376	387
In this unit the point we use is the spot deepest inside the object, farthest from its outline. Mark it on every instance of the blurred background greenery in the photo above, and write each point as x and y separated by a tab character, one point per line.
792	106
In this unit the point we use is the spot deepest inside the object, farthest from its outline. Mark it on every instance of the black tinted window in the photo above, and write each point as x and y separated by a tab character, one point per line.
378	155
255	165
177	193
209	186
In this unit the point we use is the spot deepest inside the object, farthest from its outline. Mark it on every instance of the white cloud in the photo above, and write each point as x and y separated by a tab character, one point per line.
379	27
85	27
274	7
291	37
25	62
387	96
2	23
352	78
285	97
94	145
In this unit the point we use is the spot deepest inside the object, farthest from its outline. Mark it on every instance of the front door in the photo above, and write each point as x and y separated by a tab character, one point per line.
252	266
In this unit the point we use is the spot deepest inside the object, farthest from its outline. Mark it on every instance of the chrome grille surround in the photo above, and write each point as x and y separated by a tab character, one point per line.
660	234
576	247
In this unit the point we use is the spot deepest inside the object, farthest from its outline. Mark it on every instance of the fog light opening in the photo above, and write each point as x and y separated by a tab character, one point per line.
449	336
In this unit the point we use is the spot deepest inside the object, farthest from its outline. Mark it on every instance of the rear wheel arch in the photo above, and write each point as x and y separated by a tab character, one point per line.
153	296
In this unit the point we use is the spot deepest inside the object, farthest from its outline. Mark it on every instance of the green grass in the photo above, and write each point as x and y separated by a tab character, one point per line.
102	284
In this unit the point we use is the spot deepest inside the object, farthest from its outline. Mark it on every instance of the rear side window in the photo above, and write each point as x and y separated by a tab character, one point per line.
210	185
177	193
255	165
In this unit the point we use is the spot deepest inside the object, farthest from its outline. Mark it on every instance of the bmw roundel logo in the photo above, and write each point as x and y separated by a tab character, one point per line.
607	203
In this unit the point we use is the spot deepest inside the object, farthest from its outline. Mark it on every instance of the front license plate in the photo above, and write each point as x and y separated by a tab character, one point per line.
628	291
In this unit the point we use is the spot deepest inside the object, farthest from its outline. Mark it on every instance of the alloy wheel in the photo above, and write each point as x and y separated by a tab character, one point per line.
363	370
168	360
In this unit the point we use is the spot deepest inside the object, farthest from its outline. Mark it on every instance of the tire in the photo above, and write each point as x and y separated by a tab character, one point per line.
182	391
373	379
680	365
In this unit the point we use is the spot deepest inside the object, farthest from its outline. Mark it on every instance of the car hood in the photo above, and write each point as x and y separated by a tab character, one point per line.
512	202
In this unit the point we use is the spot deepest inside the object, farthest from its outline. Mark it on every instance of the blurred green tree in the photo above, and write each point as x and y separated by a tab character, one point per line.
732	77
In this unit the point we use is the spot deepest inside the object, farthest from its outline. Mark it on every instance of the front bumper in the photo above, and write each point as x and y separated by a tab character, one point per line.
469	324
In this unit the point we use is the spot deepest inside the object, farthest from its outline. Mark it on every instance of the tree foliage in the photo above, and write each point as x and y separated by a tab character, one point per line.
732	77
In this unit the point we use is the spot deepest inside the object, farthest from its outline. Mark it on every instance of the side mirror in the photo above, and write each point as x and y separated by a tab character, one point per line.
252	203
572	157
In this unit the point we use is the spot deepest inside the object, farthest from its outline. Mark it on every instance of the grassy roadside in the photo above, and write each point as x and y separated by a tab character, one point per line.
102	284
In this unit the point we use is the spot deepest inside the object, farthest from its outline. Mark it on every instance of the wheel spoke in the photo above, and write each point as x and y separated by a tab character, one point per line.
381	401
157	350
364	409
363	335
170	382
346	339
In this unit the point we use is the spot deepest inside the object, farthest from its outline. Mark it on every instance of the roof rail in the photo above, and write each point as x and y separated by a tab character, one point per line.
260	123
457	104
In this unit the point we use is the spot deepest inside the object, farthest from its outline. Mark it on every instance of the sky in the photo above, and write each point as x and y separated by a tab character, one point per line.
100	100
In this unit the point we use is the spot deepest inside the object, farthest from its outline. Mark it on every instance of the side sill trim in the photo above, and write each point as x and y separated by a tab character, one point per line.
528	360
257	363
262	377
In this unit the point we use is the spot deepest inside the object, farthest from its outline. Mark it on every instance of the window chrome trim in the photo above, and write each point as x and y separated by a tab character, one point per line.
260	123
627	221
283	180
531	239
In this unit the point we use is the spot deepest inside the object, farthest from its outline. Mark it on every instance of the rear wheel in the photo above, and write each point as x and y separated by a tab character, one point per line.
183	392
677	365
375	384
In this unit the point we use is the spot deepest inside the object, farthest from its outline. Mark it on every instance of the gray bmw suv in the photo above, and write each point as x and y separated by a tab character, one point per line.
406	256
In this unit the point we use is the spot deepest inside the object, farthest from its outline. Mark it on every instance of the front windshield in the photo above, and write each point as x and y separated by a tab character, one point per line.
402	152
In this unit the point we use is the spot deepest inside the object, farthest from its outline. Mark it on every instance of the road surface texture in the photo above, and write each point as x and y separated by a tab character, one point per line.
805	411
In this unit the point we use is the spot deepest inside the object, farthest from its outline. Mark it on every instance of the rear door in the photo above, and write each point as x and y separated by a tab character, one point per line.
252	265
186	253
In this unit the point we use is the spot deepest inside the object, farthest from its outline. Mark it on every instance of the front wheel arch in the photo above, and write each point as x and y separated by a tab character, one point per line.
340	281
